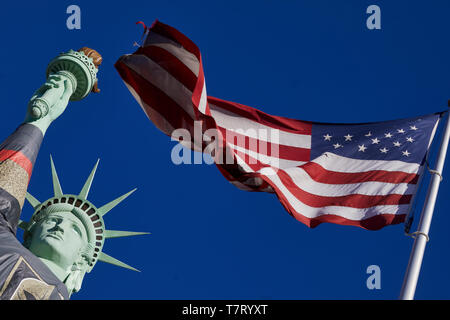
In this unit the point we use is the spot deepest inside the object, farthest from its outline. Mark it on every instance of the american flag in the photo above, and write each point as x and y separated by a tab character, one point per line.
363	175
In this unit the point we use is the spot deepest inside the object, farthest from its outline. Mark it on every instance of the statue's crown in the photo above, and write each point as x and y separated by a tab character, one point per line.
86	212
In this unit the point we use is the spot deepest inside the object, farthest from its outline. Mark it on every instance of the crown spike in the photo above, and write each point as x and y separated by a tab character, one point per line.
117	234
56	185
87	185
108	259
107	207
32	200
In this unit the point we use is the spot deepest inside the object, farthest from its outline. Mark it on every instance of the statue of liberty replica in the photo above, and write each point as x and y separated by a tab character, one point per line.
64	238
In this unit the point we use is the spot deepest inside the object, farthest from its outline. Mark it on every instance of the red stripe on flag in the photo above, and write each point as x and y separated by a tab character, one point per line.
252	162
171	64
276	122
264	147
320	174
361	201
158	100
373	223
176	36
200	86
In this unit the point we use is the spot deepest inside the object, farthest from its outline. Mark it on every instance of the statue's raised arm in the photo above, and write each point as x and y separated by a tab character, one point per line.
70	76
64	238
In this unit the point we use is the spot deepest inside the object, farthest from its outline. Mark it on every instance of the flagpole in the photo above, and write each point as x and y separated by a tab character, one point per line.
421	235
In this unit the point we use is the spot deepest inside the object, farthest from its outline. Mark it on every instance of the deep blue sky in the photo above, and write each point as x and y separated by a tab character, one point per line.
310	60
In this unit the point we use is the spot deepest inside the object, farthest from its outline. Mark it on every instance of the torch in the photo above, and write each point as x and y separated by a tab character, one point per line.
79	67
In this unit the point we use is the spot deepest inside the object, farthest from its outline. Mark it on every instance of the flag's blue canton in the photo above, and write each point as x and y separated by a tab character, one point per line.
406	139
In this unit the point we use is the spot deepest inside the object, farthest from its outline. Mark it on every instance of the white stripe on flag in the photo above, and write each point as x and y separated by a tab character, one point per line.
160	122
269	160
234	122
163	80
371	188
345	212
187	58
203	99
334	162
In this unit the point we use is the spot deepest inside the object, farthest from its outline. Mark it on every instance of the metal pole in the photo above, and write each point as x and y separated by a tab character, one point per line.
421	238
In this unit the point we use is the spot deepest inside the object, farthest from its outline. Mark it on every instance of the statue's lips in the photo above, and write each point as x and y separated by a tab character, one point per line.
54	235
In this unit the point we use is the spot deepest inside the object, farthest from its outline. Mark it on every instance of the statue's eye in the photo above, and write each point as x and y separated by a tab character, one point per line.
51	220
76	229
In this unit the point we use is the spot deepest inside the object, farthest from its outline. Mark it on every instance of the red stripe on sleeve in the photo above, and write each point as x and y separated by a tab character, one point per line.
19	158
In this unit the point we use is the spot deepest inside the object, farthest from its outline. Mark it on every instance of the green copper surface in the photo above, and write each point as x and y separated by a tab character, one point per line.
70	76
67	232
80	66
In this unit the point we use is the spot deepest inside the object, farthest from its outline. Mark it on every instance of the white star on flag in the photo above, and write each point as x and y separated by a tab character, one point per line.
388	135
413	128
384	150
375	141
362	148
397	143
406	153
400	131
409	139
327	137
348	137
337	145
369	134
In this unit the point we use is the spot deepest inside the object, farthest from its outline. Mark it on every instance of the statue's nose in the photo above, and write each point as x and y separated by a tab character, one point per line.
58	228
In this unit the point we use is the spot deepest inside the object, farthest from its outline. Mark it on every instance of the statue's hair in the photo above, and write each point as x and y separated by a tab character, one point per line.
86	252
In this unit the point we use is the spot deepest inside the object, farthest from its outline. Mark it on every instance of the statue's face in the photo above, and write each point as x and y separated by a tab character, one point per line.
59	237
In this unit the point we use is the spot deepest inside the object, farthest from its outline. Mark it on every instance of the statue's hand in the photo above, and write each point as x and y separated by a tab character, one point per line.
60	103
55	95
